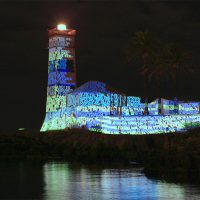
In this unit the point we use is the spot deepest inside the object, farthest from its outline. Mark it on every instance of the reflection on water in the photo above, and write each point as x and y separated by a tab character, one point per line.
60	180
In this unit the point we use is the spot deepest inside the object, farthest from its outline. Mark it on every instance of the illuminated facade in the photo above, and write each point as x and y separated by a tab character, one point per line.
98	107
61	69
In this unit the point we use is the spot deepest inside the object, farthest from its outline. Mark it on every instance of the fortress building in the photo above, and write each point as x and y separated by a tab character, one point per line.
97	106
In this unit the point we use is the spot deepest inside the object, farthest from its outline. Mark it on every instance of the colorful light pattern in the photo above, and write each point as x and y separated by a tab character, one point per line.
89	106
61	72
98	107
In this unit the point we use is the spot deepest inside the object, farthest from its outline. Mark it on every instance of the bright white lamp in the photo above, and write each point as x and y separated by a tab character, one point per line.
61	27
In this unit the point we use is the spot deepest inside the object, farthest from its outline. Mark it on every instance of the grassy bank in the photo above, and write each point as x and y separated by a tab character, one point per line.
174	157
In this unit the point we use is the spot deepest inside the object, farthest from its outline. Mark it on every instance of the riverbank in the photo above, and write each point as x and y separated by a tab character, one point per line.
174	157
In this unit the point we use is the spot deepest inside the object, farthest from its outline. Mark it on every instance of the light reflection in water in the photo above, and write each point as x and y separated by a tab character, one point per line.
67	181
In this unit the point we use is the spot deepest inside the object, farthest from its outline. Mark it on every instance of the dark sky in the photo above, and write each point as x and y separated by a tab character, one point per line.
104	29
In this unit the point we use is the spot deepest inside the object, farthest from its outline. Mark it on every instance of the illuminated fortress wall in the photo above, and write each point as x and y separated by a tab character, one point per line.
97	99
189	108
98	107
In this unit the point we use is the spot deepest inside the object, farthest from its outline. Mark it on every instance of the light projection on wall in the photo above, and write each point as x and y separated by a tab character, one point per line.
61	70
98	107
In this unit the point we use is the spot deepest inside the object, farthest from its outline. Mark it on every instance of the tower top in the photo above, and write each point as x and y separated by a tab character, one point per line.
61	29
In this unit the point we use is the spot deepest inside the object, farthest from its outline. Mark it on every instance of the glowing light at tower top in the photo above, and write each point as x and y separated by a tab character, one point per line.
98	107
61	27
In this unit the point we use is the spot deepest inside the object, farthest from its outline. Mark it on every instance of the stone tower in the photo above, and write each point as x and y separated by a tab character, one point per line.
61	74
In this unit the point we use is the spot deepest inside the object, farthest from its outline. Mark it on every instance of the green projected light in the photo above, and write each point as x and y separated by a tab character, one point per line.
98	107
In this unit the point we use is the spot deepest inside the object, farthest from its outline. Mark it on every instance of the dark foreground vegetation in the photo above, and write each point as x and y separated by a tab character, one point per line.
173	157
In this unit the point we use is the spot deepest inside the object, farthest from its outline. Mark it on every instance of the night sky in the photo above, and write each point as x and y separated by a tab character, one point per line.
104	30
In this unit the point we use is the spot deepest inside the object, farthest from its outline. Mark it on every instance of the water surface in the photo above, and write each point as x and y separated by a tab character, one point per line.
61	181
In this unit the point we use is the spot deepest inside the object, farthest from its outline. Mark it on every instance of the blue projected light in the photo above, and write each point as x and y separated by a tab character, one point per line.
98	107
51	66
59	78
62	65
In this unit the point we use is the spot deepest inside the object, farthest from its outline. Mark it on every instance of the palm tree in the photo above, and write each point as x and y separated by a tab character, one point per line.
171	60
178	62
158	70
143	45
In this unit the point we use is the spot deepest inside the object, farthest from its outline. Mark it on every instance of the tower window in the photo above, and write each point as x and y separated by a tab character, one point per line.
70	66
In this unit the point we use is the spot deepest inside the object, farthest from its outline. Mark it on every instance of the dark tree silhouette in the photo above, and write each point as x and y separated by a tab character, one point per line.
143	46
177	62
